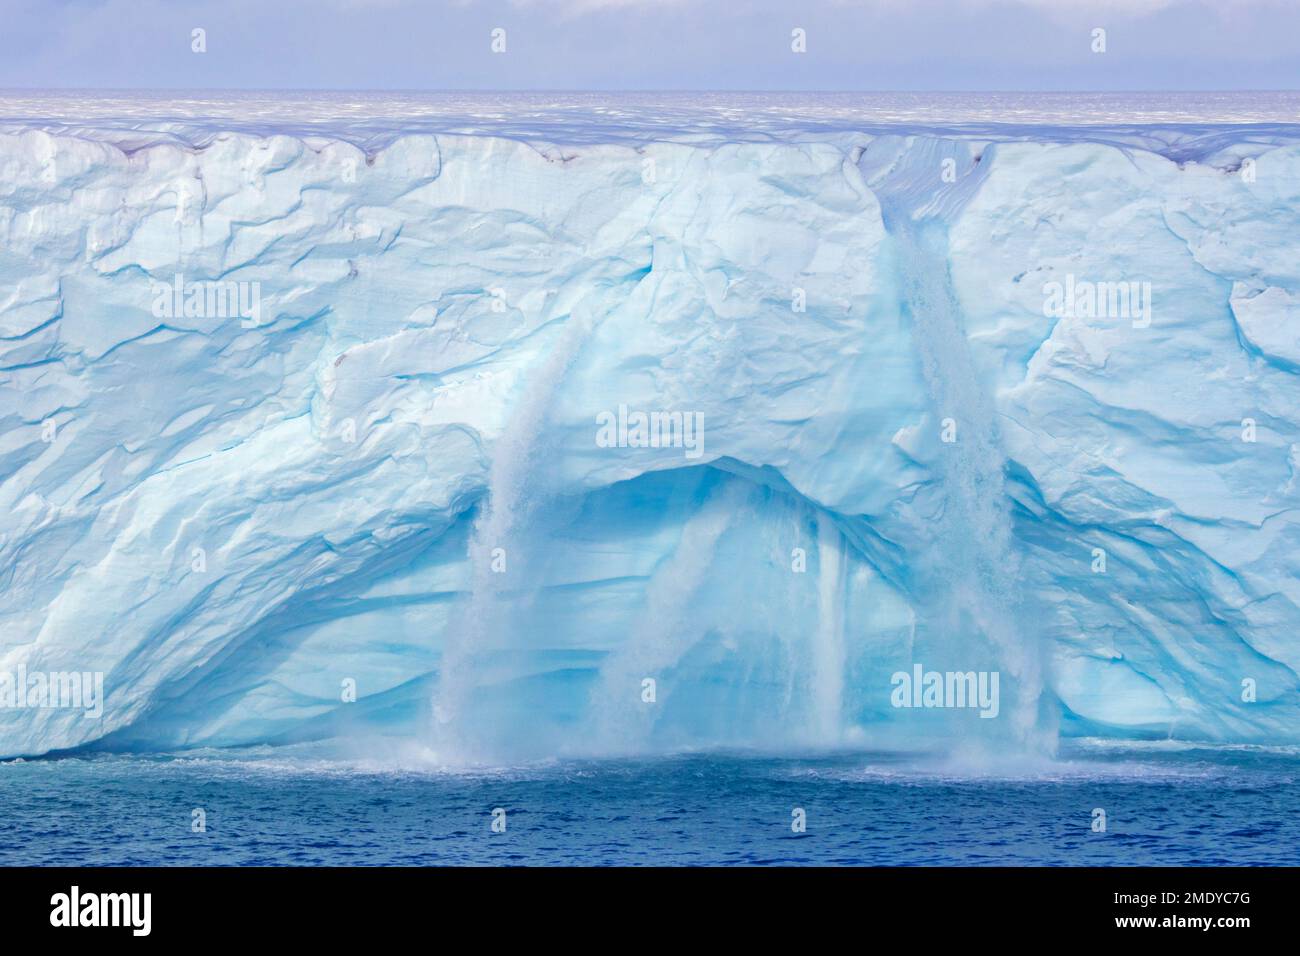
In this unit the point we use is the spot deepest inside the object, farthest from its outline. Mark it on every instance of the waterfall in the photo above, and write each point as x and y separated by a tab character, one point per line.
976	569
828	645
664	632
498	540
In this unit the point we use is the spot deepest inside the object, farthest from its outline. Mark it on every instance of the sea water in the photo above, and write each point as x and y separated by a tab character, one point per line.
1164	803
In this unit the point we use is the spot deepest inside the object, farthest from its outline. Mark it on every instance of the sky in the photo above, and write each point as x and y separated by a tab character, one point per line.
651	44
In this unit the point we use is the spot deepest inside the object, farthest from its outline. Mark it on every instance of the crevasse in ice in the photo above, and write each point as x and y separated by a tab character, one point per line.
395	479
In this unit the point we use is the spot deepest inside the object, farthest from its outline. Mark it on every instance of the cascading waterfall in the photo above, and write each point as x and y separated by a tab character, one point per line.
976	568
664	631
511	498
828	648
973	587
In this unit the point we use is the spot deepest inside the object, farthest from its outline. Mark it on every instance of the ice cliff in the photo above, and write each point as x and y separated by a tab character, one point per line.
391	483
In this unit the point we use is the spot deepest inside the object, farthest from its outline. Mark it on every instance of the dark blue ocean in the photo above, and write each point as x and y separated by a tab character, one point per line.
1163	805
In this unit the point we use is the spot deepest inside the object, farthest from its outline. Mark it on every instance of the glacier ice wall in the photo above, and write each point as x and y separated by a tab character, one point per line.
392	480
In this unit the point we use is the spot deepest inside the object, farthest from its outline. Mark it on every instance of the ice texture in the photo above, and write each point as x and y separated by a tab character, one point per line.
393	480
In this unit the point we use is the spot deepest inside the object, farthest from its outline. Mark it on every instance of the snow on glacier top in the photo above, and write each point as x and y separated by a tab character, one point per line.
1183	125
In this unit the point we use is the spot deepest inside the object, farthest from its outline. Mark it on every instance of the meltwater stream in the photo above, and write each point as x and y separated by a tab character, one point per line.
489	622
970	586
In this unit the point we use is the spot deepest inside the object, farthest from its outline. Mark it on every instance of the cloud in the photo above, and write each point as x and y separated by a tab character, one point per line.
576	7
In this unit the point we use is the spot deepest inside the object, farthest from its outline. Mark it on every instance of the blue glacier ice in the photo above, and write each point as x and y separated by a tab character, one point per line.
392	480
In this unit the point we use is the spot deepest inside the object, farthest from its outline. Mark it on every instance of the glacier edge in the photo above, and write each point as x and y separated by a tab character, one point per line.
231	523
